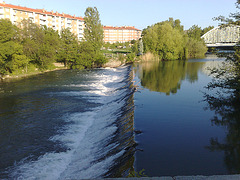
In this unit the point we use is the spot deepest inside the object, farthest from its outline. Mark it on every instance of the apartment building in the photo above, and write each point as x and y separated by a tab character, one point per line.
121	34
55	20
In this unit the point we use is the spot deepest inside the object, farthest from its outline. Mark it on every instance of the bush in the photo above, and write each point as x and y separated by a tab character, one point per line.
130	58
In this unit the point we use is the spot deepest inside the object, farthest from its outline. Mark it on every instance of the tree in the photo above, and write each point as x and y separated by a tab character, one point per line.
7	30
195	44
48	48
40	44
196	48
93	32
205	30
195	32
166	39
234	18
11	51
68	52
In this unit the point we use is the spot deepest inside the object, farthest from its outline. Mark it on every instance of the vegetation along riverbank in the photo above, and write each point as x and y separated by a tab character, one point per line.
27	48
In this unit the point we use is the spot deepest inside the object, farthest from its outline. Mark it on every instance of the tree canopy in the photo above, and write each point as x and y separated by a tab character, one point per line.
169	41
93	32
30	46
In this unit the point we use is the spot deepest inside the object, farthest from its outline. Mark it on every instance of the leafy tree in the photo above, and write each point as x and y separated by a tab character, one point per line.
205	30
11	51
135	47
68	52
7	30
165	39
86	58
93	32
11	57
234	18
168	40
40	44
195	32
196	48
133	41
130	58
107	45
48	48
196	45
150	40
89	52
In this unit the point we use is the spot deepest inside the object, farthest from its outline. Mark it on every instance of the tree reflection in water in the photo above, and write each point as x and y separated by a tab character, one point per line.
166	76
226	104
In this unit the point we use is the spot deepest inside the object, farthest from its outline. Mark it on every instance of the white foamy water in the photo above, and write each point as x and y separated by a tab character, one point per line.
87	135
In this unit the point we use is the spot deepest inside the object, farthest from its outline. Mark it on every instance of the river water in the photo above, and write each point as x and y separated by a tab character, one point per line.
72	124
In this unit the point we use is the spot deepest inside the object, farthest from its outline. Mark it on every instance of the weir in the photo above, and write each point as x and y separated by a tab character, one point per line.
81	125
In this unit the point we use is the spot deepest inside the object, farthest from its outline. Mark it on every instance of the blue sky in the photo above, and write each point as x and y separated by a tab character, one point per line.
140	13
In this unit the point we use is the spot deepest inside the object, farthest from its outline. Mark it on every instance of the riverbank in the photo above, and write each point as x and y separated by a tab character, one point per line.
112	63
58	66
215	177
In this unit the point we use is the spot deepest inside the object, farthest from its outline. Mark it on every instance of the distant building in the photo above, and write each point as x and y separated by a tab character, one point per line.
54	20
121	34
59	21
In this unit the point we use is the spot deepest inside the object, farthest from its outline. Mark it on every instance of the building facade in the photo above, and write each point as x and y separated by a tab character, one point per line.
59	21
121	34
55	20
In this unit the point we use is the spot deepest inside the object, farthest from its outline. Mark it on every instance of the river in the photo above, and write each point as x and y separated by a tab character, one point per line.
95	123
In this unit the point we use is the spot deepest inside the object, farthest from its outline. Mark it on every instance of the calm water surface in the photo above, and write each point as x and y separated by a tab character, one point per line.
177	128
82	124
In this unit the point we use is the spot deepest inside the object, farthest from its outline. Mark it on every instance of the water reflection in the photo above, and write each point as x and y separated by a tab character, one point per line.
226	105
166	76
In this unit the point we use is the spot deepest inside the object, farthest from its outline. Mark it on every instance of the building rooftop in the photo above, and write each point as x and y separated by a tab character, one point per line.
40	11
121	28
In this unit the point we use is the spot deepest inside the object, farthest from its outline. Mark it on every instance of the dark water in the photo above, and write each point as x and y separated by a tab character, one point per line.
176	124
81	124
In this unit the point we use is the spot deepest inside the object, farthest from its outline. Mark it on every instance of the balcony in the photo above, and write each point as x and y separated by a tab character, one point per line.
42	17
69	21
1	11
43	22
30	15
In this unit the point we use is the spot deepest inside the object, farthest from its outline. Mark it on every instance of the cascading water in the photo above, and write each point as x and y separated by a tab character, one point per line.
76	125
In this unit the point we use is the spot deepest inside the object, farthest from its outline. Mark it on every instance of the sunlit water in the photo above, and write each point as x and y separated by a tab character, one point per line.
93	124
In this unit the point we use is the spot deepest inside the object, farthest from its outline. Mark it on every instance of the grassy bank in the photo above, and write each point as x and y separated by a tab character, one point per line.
31	70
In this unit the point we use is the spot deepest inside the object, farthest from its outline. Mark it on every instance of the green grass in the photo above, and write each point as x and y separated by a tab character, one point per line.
116	51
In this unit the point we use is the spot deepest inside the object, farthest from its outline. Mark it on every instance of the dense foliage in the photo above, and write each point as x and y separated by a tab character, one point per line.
29	47
93	35
169	41
93	32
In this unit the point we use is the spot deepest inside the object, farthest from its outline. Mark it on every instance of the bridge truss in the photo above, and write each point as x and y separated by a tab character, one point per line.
222	36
